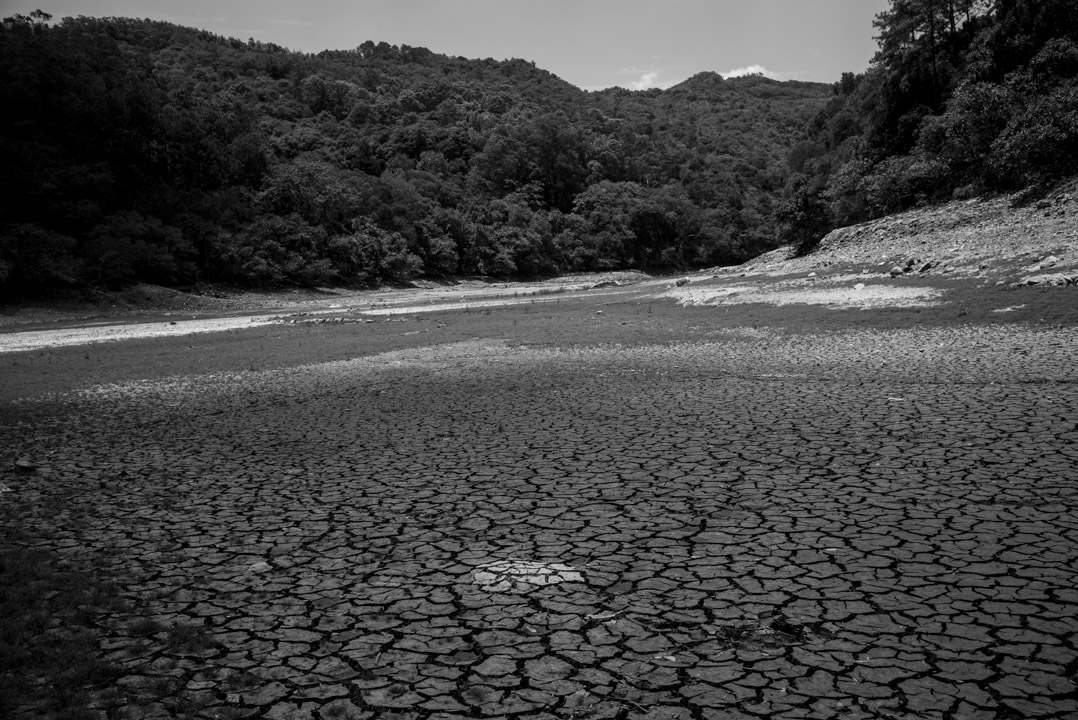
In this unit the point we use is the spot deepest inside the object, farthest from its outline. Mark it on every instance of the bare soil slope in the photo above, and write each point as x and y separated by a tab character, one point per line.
1006	239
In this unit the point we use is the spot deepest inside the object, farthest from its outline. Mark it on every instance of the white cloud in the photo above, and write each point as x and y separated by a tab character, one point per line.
753	70
647	80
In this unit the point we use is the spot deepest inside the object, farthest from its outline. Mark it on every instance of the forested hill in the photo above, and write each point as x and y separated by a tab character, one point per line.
141	150
964	98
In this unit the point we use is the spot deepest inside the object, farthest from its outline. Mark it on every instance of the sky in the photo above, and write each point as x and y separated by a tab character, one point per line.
593	44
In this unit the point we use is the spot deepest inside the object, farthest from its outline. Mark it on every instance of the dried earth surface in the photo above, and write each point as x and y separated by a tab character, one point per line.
758	492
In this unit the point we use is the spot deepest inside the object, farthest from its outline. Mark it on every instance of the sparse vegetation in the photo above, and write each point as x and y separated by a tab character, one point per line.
48	646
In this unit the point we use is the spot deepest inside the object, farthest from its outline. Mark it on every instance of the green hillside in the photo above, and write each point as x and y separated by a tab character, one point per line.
141	150
964	98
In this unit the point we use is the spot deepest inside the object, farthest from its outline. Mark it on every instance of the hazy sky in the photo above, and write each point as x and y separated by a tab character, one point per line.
590	43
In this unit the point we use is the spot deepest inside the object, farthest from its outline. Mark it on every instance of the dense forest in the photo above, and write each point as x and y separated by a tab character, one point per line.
963	98
141	150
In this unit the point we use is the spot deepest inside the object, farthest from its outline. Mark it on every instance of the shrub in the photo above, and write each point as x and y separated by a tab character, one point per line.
31	255
372	251
1041	142
276	249
130	246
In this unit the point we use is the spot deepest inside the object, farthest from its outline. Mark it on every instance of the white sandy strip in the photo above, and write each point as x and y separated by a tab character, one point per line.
867	296
37	339
462	305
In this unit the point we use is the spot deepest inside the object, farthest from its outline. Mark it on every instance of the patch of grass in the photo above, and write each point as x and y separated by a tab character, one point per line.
48	647
189	638
145	627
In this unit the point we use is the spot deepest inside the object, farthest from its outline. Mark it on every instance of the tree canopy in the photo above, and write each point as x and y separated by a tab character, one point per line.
963	97
142	150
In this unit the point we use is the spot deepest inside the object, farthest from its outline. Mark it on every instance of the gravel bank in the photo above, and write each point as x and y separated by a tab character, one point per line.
999	239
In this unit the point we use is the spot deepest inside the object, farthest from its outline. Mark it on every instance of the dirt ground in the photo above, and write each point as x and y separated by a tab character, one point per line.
759	492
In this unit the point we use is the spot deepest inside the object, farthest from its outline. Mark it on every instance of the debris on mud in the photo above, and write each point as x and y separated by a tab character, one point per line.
1048	280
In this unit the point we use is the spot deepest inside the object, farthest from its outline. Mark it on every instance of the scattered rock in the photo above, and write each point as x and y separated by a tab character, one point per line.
682	281
1048	280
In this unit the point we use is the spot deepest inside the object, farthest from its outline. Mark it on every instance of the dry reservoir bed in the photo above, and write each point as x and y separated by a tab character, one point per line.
759	524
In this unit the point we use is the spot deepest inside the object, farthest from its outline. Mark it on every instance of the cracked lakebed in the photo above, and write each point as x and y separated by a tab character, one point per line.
871	523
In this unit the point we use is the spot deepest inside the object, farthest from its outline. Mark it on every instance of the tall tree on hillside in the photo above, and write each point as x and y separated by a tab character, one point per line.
922	49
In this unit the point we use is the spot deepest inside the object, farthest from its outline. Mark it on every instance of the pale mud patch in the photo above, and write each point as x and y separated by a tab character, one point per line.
859	296
412	309
217	387
522	576
971	353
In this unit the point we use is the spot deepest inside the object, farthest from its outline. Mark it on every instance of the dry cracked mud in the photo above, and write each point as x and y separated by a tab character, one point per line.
856	524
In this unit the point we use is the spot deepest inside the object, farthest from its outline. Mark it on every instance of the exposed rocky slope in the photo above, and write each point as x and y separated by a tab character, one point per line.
1004	239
